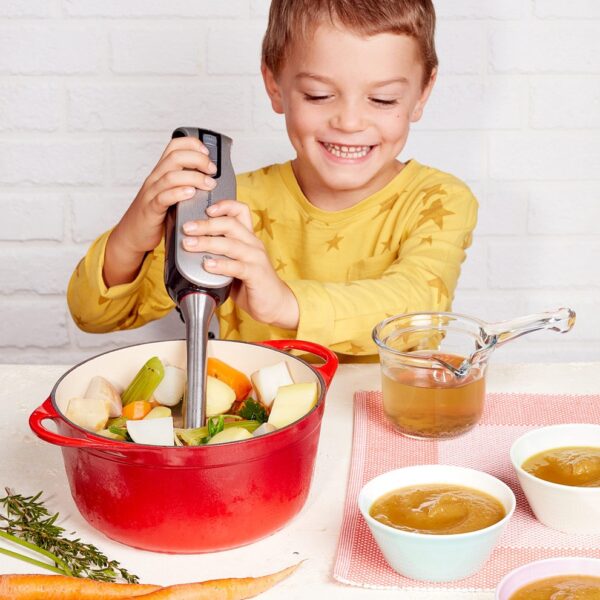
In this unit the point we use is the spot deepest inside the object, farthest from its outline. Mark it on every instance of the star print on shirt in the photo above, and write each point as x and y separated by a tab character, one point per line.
232	322
334	242
386	245
355	348
432	191
280	265
264	222
440	286
436	213
426	240
387	204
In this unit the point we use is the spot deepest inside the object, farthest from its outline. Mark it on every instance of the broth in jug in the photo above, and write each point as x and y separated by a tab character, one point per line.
431	402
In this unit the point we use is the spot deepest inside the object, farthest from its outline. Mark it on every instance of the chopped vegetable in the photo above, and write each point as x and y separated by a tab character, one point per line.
28	522
264	429
102	389
158	412
145	382
199	435
155	432
232	377
89	413
219	397
253	410
292	403
117	422
114	434
170	390
269	379
215	425
232	434
61	587
137	409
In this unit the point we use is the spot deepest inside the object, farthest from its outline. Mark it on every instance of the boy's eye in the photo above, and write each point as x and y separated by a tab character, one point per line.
384	102
316	98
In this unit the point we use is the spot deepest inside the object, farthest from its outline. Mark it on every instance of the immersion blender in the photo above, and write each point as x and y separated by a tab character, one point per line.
195	291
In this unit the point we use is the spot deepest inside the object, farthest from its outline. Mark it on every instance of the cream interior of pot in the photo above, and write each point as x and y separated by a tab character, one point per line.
121	366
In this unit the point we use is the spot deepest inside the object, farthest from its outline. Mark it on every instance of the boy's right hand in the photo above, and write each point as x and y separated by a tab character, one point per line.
183	167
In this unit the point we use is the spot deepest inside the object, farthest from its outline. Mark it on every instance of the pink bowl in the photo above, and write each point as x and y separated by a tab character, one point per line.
541	569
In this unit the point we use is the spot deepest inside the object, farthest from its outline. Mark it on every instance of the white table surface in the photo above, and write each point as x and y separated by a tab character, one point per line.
28	465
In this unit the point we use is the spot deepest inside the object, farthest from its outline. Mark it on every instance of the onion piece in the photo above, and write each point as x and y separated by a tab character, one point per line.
170	390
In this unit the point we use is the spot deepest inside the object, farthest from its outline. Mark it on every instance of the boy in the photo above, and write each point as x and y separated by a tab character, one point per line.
327	245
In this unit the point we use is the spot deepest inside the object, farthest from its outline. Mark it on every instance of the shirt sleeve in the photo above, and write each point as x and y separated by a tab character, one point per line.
98	309
420	275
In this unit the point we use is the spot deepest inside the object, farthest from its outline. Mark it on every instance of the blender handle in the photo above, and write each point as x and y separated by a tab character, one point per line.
47	411
326	370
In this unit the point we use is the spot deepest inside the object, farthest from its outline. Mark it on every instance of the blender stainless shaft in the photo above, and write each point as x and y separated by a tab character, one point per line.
197	309
195	291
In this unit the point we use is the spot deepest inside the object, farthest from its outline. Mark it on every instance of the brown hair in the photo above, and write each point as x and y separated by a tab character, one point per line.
291	21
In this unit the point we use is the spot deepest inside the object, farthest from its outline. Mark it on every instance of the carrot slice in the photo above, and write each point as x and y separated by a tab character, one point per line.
61	587
136	410
232	377
221	589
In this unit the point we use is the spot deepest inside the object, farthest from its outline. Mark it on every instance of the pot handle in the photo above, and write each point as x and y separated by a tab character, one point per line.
326	370
47	411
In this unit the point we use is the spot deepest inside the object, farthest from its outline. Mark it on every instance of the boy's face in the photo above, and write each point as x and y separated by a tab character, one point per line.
348	103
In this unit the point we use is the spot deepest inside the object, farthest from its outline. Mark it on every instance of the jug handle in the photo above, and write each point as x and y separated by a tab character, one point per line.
561	320
326	370
47	411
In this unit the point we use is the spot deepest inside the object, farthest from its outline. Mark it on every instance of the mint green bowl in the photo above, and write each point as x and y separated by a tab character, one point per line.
428	557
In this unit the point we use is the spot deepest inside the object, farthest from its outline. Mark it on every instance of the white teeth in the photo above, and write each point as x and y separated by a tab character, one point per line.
347	151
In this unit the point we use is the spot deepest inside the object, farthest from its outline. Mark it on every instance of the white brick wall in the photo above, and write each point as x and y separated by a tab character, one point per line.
91	89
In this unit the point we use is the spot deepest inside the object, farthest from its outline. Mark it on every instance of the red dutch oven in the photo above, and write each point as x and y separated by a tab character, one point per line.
188	499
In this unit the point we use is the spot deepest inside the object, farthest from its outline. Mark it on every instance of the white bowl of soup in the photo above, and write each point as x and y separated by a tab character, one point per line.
426	519
565	577
559	471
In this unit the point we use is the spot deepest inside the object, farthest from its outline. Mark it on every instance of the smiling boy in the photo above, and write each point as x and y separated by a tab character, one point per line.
325	246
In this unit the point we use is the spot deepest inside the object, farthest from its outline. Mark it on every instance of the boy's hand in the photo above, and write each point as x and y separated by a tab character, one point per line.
183	167
259	291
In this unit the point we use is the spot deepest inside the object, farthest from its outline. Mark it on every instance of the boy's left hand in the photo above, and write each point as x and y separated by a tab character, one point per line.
259	291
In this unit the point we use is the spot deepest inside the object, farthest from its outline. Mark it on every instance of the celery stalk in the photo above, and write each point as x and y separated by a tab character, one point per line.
145	382
116	422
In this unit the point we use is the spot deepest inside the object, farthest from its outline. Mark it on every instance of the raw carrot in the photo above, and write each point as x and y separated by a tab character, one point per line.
61	587
136	410
232	377
221	589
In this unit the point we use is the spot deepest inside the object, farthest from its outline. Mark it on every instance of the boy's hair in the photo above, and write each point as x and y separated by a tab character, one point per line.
292	21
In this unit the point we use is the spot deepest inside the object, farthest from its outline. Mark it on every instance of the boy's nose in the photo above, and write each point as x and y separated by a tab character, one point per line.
347	117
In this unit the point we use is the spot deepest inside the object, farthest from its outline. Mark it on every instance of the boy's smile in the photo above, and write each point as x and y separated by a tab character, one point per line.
348	101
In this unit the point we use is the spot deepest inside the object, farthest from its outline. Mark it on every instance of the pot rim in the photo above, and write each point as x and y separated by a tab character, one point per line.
125	446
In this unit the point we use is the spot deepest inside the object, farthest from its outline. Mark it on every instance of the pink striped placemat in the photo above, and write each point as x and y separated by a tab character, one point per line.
377	448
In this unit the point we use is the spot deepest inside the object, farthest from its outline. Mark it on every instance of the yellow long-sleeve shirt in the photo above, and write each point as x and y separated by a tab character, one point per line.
397	251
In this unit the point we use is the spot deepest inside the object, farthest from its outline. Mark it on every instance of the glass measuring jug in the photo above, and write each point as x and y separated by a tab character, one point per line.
433	366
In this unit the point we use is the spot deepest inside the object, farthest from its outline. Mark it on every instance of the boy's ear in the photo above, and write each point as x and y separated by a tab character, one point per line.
417	112
272	88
